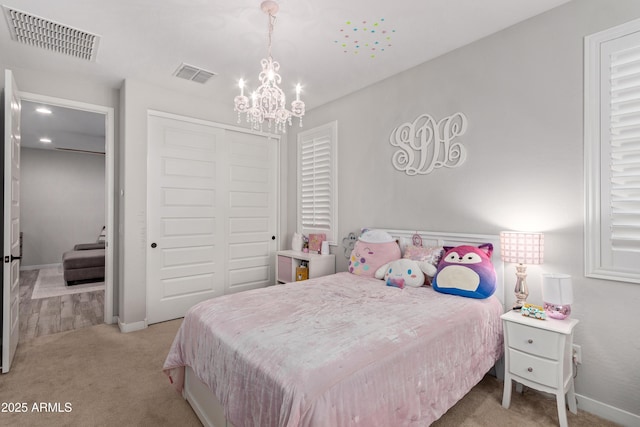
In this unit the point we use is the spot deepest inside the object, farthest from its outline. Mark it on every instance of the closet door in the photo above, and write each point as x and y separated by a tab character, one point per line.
185	216
252	211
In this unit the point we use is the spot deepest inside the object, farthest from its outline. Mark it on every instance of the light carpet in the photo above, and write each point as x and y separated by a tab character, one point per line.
102	377
50	283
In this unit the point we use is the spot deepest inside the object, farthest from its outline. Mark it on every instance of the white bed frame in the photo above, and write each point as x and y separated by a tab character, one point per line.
210	411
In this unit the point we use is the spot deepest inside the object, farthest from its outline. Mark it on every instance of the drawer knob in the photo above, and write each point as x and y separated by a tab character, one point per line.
529	369
530	341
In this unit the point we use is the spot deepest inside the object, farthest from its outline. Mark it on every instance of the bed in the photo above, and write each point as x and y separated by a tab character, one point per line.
339	350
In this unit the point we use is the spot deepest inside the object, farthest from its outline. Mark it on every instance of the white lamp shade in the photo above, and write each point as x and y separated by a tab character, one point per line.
522	248
557	289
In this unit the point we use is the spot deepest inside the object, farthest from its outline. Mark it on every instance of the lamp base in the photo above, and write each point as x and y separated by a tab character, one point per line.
517	306
521	290
559	312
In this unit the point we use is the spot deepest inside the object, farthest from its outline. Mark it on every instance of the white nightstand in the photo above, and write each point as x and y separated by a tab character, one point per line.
288	261
538	354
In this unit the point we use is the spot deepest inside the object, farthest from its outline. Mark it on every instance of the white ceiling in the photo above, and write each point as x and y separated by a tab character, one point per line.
314	41
67	128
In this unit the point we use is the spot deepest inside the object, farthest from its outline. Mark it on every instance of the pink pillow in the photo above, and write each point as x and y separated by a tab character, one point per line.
430	254
367	257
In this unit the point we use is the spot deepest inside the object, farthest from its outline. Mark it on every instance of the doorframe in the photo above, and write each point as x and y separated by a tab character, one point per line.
108	112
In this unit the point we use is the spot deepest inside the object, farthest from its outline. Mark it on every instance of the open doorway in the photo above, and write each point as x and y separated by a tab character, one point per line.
68	203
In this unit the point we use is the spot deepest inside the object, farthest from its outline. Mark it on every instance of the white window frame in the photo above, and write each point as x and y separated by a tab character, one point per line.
325	132
604	258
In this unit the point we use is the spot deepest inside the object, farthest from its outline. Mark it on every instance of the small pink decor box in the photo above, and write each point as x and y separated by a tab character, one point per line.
315	242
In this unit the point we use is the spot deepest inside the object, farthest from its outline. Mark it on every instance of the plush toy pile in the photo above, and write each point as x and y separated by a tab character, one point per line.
464	270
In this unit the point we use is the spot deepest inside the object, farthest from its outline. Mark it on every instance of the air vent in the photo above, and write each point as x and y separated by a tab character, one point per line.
195	74
35	31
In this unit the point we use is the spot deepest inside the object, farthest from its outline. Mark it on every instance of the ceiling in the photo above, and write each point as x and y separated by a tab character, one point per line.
331	47
67	128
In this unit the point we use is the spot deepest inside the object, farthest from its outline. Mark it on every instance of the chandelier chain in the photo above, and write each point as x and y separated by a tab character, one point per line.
272	21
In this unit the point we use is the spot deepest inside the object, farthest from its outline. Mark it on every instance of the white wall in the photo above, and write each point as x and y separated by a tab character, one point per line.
62	203
74	87
522	91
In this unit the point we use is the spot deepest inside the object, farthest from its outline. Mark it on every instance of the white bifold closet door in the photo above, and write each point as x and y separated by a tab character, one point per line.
211	213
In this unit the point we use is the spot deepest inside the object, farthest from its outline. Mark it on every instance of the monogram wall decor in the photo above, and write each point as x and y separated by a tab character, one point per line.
425	145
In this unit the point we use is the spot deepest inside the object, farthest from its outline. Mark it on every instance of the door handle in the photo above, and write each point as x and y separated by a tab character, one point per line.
273	237
153	245
11	258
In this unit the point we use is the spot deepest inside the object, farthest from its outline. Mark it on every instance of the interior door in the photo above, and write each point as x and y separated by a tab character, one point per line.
185	257
11	228
252	211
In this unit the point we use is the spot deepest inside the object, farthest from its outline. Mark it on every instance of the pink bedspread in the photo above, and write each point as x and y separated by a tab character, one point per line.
340	350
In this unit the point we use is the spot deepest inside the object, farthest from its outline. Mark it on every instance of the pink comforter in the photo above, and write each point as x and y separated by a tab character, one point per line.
340	350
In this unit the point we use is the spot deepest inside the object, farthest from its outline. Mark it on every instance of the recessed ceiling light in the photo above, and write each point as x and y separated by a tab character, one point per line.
45	140
43	110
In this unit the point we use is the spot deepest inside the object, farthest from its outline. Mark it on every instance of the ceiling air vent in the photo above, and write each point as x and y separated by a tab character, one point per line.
195	74
35	31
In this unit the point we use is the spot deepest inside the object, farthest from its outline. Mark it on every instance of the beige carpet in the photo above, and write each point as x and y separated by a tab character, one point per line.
50	283
114	379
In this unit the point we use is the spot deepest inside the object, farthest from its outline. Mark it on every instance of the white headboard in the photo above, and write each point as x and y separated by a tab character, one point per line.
432	238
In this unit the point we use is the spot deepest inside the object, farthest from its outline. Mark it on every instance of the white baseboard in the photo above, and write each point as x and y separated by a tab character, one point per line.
38	267
131	327
607	412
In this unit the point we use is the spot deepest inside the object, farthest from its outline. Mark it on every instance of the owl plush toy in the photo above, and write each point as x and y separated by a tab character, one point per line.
466	271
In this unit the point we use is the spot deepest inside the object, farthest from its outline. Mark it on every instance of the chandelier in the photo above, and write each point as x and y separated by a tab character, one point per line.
268	101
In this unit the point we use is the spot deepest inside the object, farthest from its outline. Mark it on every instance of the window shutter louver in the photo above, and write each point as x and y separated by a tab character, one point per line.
316	182
612	153
624	157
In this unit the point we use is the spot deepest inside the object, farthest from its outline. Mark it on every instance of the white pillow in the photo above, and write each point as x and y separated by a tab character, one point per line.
376	236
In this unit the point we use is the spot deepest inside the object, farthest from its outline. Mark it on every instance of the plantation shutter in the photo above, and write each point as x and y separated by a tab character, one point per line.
612	153
623	210
317	181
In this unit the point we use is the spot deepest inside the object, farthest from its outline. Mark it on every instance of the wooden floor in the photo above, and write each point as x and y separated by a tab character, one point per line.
47	316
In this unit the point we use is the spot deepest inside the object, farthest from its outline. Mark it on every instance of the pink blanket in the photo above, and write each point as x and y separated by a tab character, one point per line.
340	350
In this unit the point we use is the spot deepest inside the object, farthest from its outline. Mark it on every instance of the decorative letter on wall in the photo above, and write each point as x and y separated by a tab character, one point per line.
425	144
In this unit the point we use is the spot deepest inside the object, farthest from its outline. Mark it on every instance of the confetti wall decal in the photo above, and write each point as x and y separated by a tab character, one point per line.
365	38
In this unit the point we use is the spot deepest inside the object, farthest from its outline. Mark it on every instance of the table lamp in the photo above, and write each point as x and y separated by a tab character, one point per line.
557	295
522	248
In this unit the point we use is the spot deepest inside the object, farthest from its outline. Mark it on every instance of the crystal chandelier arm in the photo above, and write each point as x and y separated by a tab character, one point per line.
269	71
268	101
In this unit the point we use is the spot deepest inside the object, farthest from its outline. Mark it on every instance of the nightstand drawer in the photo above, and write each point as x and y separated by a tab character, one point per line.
532	368
533	340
